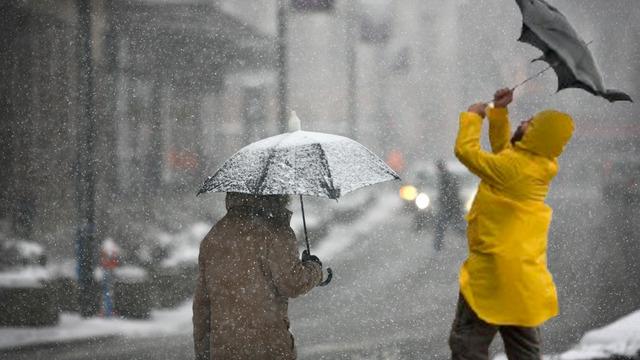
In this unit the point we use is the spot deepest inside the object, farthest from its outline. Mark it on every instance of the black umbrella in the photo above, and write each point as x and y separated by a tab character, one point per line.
547	29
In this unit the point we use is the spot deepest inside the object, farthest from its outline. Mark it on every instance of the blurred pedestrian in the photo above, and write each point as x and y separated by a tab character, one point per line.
505	285
109	261
449	205
248	270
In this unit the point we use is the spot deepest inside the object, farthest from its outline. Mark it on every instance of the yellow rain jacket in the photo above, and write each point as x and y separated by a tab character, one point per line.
505	279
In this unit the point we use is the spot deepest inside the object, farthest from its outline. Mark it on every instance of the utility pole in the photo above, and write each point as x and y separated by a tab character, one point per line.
282	66
352	75
86	247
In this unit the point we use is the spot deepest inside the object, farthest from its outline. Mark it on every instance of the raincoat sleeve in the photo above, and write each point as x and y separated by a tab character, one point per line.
290	275
495	169
499	131
201	313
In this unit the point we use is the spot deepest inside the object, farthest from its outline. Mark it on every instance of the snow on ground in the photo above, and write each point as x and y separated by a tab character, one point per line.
73	327
25	277
621	337
178	321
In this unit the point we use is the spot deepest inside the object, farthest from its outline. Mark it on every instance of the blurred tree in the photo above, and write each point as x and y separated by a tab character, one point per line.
312	5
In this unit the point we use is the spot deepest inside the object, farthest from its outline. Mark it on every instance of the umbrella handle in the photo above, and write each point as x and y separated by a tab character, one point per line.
306	239
328	279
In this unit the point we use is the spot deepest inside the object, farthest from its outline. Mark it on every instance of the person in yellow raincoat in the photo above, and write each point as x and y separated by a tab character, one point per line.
505	285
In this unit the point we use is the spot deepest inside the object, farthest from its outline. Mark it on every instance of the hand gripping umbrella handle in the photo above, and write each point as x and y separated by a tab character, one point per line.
306	239
328	279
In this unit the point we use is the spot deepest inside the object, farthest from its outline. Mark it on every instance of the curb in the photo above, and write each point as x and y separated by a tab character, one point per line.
53	344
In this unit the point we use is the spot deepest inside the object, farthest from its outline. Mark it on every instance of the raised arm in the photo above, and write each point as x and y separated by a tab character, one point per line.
492	168
291	276
499	129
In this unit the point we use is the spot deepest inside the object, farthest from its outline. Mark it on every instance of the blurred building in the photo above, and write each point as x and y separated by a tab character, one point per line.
39	116
182	84
165	91
382	71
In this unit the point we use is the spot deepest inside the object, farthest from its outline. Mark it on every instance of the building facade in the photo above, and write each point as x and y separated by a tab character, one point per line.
163	74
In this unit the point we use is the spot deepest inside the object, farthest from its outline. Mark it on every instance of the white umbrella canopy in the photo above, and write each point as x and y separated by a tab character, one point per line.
300	163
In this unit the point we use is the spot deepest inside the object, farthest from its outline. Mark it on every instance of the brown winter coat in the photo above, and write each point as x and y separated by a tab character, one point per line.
248	269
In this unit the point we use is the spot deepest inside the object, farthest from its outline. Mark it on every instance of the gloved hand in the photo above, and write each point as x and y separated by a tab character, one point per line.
308	257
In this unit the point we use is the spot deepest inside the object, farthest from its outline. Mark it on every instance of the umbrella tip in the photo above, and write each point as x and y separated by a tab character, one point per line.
294	122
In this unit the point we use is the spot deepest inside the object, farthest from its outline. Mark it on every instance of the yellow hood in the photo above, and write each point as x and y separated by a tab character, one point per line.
547	134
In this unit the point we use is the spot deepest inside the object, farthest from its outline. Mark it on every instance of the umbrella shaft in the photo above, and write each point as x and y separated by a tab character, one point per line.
531	77
304	224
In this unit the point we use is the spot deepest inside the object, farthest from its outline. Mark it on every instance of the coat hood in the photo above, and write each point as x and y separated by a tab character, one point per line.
248	268
547	134
265	205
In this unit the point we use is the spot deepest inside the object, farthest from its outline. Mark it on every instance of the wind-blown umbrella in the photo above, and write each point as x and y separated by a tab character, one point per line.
300	163
547	29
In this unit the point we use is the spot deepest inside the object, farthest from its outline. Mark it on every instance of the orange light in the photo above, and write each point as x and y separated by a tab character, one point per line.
408	192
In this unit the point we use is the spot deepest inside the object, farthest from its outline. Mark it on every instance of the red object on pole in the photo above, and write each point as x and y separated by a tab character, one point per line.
109	262
109	255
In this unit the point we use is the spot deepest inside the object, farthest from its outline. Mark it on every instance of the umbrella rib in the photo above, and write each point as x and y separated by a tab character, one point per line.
382	165
265	170
331	188
206	185
260	184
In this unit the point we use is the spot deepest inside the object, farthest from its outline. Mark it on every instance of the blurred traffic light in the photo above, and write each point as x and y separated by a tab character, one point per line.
395	160
376	31
408	192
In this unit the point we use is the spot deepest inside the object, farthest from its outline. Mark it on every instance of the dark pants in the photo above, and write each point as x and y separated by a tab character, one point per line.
471	336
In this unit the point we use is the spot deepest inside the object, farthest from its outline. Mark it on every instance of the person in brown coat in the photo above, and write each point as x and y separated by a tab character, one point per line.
248	270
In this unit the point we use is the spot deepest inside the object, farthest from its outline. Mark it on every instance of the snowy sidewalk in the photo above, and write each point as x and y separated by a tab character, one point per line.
618	340
74	328
621	338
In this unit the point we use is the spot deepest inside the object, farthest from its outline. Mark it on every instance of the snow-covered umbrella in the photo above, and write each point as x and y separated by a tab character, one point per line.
563	49
300	163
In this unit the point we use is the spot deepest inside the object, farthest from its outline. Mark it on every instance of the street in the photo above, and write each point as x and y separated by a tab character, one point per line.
392	297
